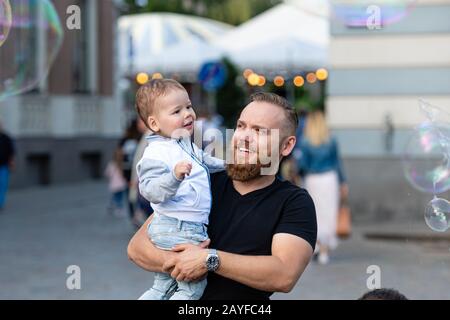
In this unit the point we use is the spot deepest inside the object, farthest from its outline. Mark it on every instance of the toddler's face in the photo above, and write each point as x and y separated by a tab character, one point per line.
174	115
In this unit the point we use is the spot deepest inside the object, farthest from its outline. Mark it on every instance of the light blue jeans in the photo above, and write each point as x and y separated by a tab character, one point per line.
166	232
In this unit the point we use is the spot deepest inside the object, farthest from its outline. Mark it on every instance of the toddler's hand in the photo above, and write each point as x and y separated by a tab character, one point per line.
182	169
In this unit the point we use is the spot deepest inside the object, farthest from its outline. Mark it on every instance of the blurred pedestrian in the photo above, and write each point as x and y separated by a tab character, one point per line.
128	145
389	131
142	207
324	175
6	163
302	117
117	184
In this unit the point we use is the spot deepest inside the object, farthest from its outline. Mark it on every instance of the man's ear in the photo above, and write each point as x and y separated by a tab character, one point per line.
288	145
153	124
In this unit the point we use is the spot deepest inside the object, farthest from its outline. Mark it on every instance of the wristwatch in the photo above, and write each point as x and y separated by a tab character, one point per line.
212	260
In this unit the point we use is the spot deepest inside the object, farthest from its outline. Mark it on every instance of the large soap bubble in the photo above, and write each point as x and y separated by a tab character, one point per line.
360	13
427	158
35	37
426	161
5	20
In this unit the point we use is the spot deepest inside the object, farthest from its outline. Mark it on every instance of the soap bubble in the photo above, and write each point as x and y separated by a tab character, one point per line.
426	161
5	20
34	40
358	13
437	214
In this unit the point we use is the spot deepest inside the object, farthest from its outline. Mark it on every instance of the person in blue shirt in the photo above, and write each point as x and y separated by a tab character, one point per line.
6	164
324	179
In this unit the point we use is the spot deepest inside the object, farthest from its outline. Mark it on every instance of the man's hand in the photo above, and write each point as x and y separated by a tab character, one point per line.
190	262
182	169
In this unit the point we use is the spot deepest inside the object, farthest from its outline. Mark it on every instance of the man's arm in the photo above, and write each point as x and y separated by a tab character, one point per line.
144	254
291	251
278	272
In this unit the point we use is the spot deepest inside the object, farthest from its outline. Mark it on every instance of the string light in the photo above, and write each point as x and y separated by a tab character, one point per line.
253	79
322	74
157	75
311	77
247	73
299	81
278	81
261	81
142	78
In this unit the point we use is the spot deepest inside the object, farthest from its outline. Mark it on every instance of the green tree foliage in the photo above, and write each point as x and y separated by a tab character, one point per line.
229	11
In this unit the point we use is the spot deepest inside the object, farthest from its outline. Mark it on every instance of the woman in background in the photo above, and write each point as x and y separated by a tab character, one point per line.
324	179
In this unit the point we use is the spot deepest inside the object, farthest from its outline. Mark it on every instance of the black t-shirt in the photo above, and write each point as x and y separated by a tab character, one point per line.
6	149
246	224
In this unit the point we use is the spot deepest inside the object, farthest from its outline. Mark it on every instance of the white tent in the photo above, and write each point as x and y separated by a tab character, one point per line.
185	57
146	39
284	37
291	35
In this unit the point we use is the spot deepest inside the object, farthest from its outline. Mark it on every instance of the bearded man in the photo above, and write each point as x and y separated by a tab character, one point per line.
262	230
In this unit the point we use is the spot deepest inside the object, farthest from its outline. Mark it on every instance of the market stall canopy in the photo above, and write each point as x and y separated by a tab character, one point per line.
286	36
146	41
185	57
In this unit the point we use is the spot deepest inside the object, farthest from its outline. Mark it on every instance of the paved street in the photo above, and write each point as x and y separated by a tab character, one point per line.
45	230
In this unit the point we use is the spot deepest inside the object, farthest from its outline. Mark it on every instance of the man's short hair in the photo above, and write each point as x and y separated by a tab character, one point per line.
383	294
147	95
289	112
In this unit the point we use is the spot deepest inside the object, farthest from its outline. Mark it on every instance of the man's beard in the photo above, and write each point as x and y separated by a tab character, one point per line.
248	171
243	172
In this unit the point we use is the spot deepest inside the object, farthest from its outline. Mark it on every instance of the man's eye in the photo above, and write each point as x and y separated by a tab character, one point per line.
178	111
189	107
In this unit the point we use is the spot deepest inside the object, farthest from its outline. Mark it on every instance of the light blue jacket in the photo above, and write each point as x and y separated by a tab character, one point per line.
188	199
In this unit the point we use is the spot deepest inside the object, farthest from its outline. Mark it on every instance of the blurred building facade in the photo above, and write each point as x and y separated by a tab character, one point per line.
376	79
65	130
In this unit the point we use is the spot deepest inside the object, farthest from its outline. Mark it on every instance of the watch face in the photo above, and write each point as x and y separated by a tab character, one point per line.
213	263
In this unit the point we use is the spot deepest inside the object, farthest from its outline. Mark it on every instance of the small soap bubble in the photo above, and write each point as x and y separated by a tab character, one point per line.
437	214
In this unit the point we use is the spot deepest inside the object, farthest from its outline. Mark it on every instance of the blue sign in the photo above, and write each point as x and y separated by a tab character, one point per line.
212	75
